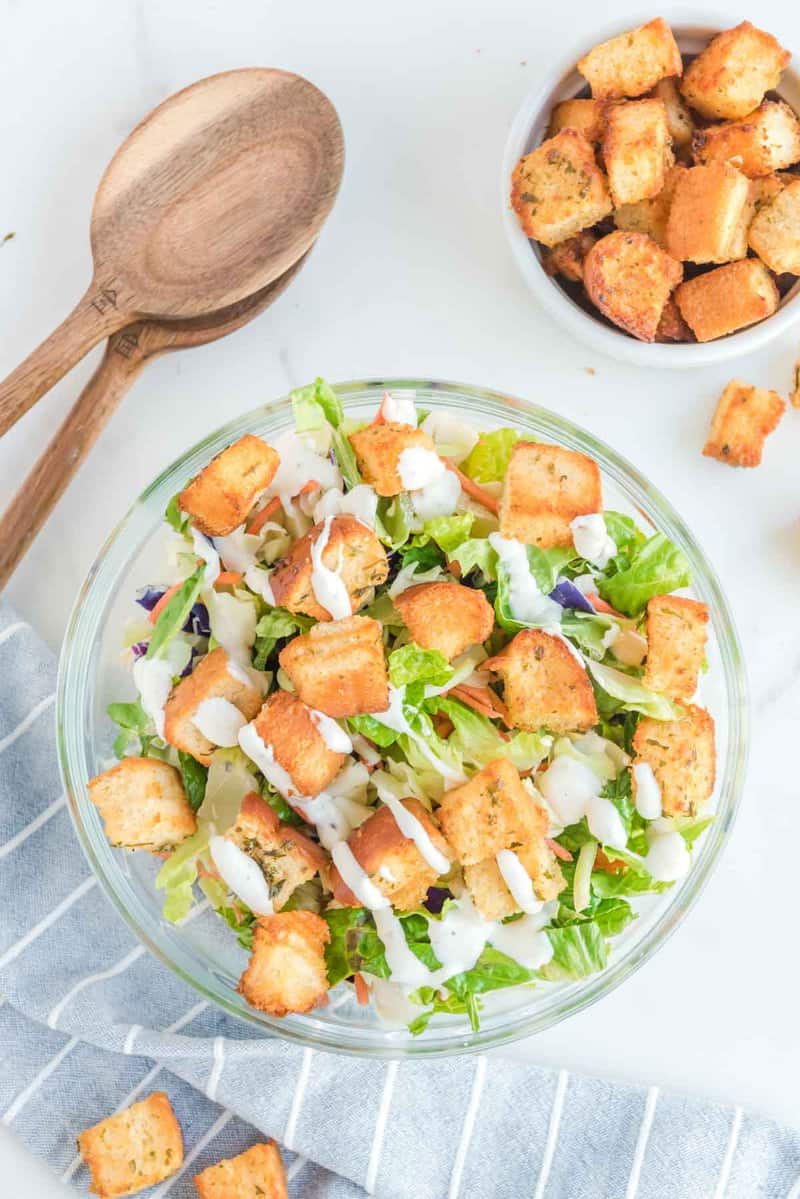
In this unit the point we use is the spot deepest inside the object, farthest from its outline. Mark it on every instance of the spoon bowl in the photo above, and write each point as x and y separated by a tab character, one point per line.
210	199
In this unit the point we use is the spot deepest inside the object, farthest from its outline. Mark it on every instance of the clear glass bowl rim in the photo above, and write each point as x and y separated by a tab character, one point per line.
116	554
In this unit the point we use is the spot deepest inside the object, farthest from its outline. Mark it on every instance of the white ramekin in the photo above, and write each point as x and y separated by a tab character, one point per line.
527	131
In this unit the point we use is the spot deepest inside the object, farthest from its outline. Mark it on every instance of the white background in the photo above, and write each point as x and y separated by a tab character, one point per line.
413	277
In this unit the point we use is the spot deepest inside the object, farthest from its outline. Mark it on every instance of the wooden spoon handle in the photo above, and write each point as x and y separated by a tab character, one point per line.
48	479
94	318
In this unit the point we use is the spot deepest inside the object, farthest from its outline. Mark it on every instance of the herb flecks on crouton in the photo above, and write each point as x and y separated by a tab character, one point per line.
545	685
134	1149
143	804
545	488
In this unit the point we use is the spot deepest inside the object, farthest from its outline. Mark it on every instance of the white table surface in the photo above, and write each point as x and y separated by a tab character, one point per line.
413	277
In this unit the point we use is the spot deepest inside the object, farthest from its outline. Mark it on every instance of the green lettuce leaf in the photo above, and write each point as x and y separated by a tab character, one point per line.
449	531
488	461
475	554
315	405
656	567
276	625
578	950
178	875
476	741
395	520
345	458
194	777
174	516
173	617
133	722
239	918
412	664
493	971
355	945
629	694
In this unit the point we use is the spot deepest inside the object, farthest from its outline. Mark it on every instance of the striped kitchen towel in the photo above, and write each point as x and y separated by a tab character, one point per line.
91	1021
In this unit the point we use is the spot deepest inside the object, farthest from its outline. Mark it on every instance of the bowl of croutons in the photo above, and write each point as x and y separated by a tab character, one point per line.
651	192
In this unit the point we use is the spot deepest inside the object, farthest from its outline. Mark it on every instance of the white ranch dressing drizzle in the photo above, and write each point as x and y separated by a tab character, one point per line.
204	548
152	678
605	822
528	604
356	878
394	718
667	859
399	410
418	466
334	816
437	498
518	881
568	785
524	940
334	736
219	721
591	540
239	872
327	585
648	792
413	828
263	755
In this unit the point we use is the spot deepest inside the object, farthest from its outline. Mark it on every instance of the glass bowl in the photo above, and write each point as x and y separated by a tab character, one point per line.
203	951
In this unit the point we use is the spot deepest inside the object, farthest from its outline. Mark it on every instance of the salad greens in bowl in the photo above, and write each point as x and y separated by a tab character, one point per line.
402	717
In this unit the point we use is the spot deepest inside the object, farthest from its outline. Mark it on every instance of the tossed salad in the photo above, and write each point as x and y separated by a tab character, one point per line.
414	713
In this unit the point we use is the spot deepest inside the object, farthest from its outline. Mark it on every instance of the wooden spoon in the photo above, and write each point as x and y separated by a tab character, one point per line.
218	191
125	356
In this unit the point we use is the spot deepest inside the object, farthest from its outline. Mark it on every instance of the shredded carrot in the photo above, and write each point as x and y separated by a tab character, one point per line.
558	850
600	605
609	865
261	518
228	578
162	603
478	705
362	990
455	569
473	489
307	488
380	416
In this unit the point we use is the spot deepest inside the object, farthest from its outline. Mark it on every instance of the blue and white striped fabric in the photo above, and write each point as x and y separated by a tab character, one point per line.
105	1023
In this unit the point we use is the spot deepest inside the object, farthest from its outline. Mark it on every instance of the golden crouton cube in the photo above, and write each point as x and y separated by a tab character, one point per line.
214	677
287	725
733	74
679	119
284	856
636	150
352	550
287	971
488	888
765	141
491	812
378	448
134	1149
727	298
774	233
566	259
764	190
220	497
339	667
545	686
677	630
630	278
632	63
672	326
743	419
587	116
682	758
651	216
143	805
257	1173
706	212
445	616
558	189
391	860
545	488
